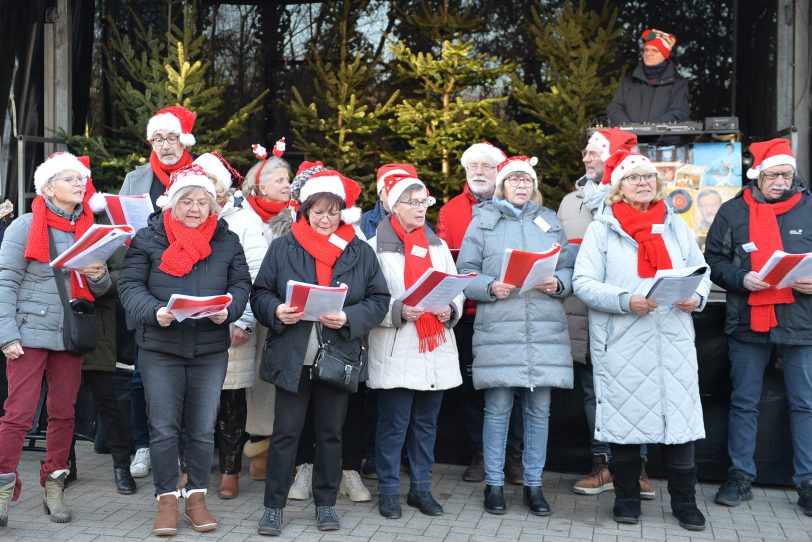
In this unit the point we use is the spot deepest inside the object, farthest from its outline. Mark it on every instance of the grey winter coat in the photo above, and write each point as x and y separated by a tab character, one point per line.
30	309
644	367
521	341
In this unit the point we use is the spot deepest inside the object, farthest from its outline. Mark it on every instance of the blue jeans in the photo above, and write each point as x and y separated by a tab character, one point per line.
182	389
747	364
536	412
402	412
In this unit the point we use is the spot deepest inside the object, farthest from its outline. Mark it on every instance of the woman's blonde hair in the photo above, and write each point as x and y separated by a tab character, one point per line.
615	195
535	196
249	184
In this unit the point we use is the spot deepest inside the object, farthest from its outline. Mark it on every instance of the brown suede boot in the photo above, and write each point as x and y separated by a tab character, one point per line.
166	519
229	486
197	515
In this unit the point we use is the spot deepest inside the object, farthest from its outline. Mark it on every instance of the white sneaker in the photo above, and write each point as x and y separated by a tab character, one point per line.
300	490
353	487
141	464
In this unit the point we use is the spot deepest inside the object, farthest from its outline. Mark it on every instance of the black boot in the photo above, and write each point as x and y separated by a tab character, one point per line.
626	477
495	500
682	488
535	501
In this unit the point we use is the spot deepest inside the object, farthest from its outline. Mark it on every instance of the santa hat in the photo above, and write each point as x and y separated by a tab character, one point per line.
214	167
663	41
609	141
61	161
334	182
621	163
517	164
397	183
766	154
306	170
175	119
478	149
191	175
391	169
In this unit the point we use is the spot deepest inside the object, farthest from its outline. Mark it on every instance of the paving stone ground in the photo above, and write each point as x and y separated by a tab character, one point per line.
100	514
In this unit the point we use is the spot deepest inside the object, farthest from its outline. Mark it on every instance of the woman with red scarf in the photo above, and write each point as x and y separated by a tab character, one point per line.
266	189
185	249
320	248
31	321
644	357
413	354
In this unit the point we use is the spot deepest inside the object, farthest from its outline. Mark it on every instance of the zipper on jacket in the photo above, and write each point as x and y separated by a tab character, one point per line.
663	391
526	319
394	340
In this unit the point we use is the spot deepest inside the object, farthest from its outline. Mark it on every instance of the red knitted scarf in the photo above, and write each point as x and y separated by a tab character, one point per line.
266	209
652	254
418	260
765	235
37	247
321	248
162	171
187	246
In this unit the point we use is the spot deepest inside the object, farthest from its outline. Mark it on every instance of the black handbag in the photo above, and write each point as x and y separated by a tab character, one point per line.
334	367
79	326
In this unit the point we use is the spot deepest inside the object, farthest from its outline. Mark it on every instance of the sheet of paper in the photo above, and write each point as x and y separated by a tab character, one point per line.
194	307
315	300
435	289
98	243
675	285
541	271
132	210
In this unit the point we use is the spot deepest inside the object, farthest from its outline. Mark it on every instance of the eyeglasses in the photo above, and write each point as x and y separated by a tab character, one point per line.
78	180
158	141
592	155
786	175
189	203
637	179
416	203
515	182
484	167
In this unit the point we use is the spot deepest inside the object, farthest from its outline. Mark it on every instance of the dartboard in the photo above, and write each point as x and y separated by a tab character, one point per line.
680	200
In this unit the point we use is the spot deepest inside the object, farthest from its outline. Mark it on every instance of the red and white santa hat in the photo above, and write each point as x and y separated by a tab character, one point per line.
213	166
478	149
393	169
175	119
516	164
609	141
397	183
61	161
766	154
621	163
191	175
663	41
334	182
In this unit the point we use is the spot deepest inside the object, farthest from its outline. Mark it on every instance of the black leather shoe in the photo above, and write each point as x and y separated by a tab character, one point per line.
805	497
424	501
495	500
125	485
389	506
326	519
534	500
271	522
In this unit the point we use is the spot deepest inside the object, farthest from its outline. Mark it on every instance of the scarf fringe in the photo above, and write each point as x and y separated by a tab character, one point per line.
430	332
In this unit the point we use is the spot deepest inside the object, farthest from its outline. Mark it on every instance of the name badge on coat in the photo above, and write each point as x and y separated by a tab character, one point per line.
420	252
541	223
337	241
657	229
749	247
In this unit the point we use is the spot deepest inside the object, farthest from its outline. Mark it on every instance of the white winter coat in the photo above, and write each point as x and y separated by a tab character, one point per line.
645	368
394	357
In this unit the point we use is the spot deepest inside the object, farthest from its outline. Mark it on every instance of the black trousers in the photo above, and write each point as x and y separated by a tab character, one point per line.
100	384
229	434
675	456
290	409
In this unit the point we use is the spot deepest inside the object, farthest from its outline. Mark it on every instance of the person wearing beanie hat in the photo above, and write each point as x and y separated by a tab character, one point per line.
370	219
186	250
409	401
575	213
507	323
654	92
320	248
31	322
629	334
772	212
479	162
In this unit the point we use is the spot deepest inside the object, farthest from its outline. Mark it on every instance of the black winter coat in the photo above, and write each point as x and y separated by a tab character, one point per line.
729	263
143	289
366	305
639	100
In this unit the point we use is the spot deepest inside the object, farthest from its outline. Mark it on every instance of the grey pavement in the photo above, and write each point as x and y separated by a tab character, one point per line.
100	514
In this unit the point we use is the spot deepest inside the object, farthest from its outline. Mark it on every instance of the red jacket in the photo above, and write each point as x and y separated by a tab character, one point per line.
452	222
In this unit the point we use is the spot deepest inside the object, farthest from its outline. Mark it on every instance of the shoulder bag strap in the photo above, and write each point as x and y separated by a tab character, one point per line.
58	274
